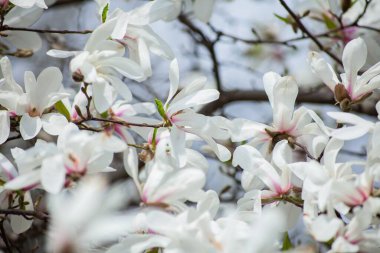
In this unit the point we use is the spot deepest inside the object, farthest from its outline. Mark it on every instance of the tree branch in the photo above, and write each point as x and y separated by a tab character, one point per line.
308	33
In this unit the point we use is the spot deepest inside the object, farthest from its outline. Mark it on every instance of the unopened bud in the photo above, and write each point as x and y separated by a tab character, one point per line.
345	5
78	77
345	105
341	93
23	53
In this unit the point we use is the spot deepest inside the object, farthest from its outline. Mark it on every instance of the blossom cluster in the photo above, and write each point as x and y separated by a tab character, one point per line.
290	170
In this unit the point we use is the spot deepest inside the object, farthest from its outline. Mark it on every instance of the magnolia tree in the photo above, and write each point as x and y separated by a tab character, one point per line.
55	193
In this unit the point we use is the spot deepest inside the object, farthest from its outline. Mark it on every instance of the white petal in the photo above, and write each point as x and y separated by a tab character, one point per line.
54	123
61	53
104	95
4	126
18	223
126	67
177	138
174	79
29	126
354	58
323	70
53	174
269	80
121	88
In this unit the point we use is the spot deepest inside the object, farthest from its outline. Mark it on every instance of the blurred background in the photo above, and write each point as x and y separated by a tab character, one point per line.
243	40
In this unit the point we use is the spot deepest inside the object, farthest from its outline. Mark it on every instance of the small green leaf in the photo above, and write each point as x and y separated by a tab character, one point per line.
154	139
104	114
286	243
283	19
330	24
61	108
105	12
160	109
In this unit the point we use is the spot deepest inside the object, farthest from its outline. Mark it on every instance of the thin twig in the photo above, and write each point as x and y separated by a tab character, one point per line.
308	33
9	28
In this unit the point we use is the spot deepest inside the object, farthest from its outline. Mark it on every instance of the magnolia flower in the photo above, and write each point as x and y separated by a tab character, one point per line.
20	17
163	183
27	3
182	119
86	218
41	94
100	64
351	88
76	154
193	231
288	124
276	178
322	181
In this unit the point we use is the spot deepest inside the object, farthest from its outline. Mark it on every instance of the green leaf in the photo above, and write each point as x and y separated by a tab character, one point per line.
286	243
330	24
104	114
61	108
154	139
283	19
105	12
160	108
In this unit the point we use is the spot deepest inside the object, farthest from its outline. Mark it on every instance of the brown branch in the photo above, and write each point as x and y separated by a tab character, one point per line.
361	15
9	28
322	97
308	33
35	214
208	44
119	122
286	198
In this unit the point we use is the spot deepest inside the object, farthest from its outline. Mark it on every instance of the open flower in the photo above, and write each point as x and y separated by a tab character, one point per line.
289	124
351	88
178	113
41	94
86	218
76	154
100	64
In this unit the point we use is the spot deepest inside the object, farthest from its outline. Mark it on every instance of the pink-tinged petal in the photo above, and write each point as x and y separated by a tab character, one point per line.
354	58
26	181
30	126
